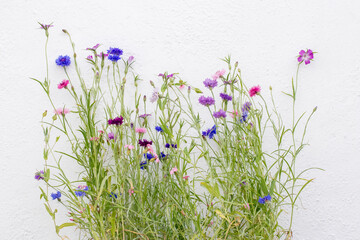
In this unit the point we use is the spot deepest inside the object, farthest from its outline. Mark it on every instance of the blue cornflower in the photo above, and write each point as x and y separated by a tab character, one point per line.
174	145
159	129
264	199
244	116
114	54
246	106
163	155
113	195
149	156
56	195
167	145
81	191
63	61
210	132
143	164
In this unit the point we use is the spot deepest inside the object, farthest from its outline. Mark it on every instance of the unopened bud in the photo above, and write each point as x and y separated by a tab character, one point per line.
74	55
197	90
189	89
64	30
144	98
270	88
44	114
152	83
236	64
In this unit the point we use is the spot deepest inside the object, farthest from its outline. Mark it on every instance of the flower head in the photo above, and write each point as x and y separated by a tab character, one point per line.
131	191
143	165
144	142
89	57
186	177
130	59
264	199
62	111
254	91
219	114
206	101
102	55
63	61
116	121
63	84
159	129
111	135
210	132
305	56
210	83
154	96
173	170
39	175
45	26
129	147
114	54
56	195
234	114
246	106
225	97
244	116
140	130
218	74
113	195
94	47
145	115
81	192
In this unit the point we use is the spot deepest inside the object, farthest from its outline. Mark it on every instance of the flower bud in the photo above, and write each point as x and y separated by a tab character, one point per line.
152	83
144	98
64	30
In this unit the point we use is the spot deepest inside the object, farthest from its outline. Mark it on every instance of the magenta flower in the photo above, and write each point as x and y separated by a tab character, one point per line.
62	111
63	84
234	114
111	135
254	91
210	83
116	121
144	142
186	177
220	114
206	101
131	58
305	56
218	74
131	191
94	47
46	26
89	57
39	175
145	115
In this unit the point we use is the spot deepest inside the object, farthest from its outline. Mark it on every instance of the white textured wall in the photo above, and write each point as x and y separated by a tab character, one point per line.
189	37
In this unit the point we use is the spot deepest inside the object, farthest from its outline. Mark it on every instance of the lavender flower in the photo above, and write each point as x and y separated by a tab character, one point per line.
210	132
131	58
111	135
39	175
244	116
225	97
81	191
206	101
63	61
145	115
56	195
154	96
116	121
220	114
246	106
210	83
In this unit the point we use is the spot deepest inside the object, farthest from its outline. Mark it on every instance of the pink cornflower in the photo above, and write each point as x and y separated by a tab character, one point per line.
151	150
247	206
254	90
181	87
94	47
89	57
62	111
186	177
131	191
234	114
173	170
140	130
94	139
218	74
305	56
129	147
63	84
103	54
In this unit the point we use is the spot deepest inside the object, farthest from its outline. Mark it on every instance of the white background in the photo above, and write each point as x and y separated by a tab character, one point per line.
188	37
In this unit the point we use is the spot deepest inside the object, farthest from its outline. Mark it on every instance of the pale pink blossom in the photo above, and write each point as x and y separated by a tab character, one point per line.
247	206
254	90
62	111
140	130
218	74
186	177
234	114
131	191
181	87
173	170
129	147
151	150
131	58
94	139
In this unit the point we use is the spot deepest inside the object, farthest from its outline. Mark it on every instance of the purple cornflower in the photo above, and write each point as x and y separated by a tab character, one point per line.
154	96
162	156
116	121
63	61
114	54
246	106
210	83
206	101
159	129
81	191
143	165
94	47
305	56
56	195
144	142
244	116
145	115
220	114
46	26
210	132
225	97
264	199
111	135
39	175
170	75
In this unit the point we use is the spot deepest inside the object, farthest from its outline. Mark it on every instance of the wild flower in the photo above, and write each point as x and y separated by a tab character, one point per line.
140	130
225	97
56	195
116	121
130	59
159	129
168	145
62	111
114	54
145	115
154	96
210	132
94	139
63	84
81	192
89	57
254	91
218	74
101	55
244	116
39	175
264	199
131	191
129	147
246	106
210	83
111	135
63	61
144	142
113	195
305	56
206	101
234	114
143	164
186	177
173	170
247	206
94	47
220	114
